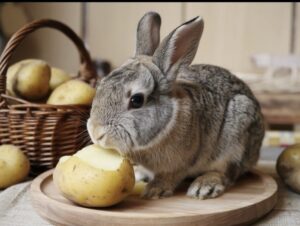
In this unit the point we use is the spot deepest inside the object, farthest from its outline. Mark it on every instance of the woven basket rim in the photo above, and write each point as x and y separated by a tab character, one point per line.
45	132
26	104
87	69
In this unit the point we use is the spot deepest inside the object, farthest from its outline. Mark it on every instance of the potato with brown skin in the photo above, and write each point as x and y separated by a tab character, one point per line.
288	167
58	77
72	92
29	79
138	188
14	165
94	177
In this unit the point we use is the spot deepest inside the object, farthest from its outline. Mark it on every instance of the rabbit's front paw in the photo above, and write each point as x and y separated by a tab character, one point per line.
163	185
156	191
209	185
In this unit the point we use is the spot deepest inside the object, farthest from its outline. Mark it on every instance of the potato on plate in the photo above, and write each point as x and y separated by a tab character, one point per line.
288	167
94	177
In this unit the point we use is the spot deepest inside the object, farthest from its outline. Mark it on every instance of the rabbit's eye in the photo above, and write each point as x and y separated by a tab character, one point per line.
136	101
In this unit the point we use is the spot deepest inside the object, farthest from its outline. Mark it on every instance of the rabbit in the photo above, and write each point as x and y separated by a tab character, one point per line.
177	120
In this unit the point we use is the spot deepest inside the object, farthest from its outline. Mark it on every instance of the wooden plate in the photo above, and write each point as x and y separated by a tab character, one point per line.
250	198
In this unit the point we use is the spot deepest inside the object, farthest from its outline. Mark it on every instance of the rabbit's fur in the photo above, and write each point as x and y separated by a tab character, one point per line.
196	121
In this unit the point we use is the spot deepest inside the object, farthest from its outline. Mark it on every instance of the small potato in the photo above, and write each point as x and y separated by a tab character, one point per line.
29	79
288	167
58	77
12	71
94	177
72	92
138	188
14	166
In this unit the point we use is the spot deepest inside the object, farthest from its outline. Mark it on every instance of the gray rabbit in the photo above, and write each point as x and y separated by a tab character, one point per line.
176	120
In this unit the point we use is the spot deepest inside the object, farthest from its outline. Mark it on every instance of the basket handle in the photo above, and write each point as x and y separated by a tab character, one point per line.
87	69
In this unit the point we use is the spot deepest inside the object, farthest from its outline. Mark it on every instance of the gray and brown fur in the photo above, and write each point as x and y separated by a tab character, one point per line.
197	121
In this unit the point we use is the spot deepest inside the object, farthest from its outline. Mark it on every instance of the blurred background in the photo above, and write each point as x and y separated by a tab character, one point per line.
259	42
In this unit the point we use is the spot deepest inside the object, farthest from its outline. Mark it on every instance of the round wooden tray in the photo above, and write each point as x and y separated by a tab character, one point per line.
254	195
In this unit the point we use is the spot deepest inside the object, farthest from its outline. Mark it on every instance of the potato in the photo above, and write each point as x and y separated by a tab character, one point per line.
11	72
138	188
14	166
10	78
58	77
94	177
288	167
29	79
72	92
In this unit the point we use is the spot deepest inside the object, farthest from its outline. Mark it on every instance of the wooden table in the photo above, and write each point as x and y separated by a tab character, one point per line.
16	209
287	209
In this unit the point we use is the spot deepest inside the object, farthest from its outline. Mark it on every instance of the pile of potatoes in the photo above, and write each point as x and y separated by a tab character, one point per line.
35	80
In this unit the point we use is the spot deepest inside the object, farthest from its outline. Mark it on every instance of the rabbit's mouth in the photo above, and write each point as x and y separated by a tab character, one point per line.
116	138
106	144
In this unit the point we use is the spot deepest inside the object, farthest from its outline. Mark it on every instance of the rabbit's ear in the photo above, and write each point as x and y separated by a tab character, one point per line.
180	46
148	34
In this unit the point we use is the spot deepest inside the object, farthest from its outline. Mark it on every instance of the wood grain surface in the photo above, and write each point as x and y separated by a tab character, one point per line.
253	196
249	199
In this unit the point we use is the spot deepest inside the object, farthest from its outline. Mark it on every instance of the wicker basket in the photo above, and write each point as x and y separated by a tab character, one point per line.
44	132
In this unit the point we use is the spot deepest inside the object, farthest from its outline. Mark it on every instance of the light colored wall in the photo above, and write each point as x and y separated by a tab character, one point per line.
298	29
233	31
112	26
49	44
